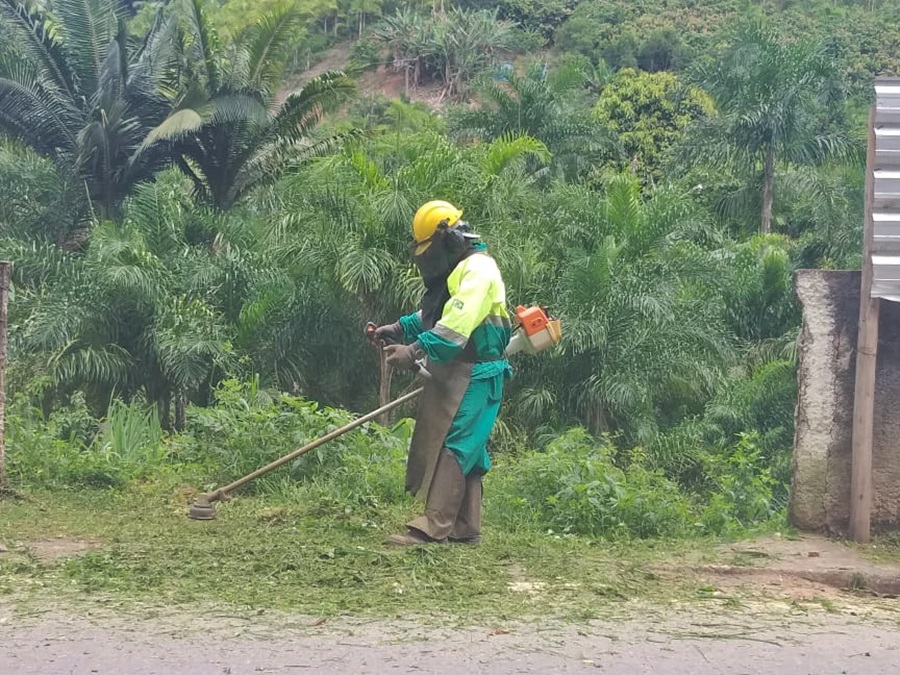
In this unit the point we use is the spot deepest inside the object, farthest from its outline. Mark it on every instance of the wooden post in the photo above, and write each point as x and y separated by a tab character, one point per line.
5	273
861	491
384	387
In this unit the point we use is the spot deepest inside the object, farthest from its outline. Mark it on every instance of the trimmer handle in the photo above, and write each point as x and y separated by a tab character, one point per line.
370	336
422	370
370	329
370	332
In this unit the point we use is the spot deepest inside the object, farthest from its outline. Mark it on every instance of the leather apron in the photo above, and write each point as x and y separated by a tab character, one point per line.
437	407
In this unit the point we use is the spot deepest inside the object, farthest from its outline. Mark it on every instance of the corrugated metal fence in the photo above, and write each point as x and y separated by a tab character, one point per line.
886	203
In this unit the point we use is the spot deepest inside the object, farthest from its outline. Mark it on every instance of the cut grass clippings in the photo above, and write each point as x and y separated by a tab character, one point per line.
304	557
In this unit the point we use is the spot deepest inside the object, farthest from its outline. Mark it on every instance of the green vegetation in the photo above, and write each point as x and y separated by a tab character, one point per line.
309	538
650	112
198	246
312	558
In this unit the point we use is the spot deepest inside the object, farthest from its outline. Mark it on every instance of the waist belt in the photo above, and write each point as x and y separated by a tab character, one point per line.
469	355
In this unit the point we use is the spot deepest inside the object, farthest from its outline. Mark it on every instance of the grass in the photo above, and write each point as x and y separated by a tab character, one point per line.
885	548
312	558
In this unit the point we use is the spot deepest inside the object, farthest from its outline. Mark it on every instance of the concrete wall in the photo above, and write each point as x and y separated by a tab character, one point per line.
820	492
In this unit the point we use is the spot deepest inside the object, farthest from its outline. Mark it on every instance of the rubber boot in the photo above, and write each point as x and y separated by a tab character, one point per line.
445	497
467	528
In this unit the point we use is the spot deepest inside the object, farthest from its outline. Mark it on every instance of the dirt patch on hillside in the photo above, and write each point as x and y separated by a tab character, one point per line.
383	81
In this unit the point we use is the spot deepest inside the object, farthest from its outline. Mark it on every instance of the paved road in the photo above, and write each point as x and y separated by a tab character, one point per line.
714	643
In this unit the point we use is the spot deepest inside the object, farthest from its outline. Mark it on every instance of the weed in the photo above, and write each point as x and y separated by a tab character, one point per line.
574	487
857	582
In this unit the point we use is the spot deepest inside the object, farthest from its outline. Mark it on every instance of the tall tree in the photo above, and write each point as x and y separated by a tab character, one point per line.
453	47
231	132
635	284
351	257
73	90
775	100
143	309
650	113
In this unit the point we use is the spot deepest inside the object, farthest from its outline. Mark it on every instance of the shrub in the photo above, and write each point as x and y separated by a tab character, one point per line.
574	487
650	112
61	451
365	54
247	429
578	485
744	488
370	473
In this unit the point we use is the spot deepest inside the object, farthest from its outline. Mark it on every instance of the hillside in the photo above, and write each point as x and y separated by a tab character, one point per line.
676	35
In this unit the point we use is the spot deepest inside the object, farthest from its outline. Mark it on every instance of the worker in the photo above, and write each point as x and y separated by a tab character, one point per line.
461	332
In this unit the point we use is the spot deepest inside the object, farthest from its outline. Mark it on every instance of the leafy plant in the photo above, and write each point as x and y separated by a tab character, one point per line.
650	113
231	133
744	491
74	90
775	99
132	437
575	487
248	429
545	105
452	47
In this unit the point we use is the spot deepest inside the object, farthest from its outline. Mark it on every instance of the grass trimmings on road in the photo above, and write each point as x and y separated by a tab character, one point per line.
307	557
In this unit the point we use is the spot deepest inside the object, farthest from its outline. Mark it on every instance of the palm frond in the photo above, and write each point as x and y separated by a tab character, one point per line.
510	149
280	156
303	109
204	41
35	115
41	47
88	28
268	43
109	366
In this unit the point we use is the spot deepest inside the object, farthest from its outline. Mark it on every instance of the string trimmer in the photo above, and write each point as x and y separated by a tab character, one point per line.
203	508
535	332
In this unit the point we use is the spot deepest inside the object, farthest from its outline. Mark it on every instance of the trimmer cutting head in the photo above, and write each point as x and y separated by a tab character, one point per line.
202	509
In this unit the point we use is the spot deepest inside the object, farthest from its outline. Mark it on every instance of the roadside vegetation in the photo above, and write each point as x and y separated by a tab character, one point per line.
198	244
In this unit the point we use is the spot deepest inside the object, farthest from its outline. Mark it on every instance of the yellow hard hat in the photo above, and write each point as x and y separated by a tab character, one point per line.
427	219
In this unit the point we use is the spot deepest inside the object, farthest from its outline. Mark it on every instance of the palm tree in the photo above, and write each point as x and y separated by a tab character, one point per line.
774	99
37	202
344	241
230	132
546	106
452	47
405	32
465	43
130	315
73	90
643	324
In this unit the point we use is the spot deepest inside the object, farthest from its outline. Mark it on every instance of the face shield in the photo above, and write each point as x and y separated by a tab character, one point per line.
438	255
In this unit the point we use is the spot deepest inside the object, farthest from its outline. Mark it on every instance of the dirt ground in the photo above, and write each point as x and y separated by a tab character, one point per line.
795	566
382	81
805	606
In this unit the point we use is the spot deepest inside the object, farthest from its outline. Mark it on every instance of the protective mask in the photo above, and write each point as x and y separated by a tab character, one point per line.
436	261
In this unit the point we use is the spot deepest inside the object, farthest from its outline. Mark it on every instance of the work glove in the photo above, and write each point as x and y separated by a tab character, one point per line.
403	356
391	333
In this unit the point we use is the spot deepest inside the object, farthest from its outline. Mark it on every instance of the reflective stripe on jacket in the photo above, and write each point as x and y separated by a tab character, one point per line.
476	311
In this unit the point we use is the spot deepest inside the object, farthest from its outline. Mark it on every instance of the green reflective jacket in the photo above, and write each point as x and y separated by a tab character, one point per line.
476	311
